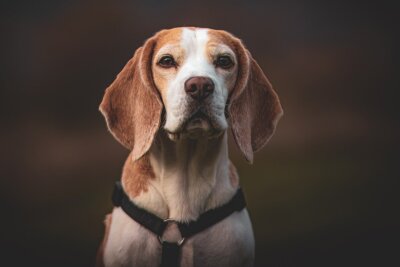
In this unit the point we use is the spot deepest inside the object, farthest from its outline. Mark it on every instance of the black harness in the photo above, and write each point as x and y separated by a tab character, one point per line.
171	251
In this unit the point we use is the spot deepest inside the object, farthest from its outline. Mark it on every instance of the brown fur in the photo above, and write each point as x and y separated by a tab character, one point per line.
161	75
254	107
132	107
136	175
100	252
255	112
131	104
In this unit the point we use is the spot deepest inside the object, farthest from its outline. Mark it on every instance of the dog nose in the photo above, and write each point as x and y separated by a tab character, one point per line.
199	88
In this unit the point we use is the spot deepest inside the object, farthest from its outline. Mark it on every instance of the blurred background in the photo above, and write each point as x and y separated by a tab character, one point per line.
322	193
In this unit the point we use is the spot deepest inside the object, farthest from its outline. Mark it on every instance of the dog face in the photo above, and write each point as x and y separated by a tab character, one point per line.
202	78
194	72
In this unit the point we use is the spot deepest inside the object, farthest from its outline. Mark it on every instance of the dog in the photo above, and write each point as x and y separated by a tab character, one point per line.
171	106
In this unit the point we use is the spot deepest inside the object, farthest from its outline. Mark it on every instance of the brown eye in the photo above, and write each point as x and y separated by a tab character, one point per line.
224	62
167	62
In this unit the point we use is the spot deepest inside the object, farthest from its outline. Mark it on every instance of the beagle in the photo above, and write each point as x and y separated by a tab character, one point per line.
171	105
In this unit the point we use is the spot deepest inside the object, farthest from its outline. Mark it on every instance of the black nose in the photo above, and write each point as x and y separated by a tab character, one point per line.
199	88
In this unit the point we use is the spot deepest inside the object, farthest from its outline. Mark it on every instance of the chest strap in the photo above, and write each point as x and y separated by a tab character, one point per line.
171	251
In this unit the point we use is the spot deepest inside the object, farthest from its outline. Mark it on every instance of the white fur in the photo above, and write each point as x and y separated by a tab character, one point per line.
229	243
196	63
191	176
184	188
187	184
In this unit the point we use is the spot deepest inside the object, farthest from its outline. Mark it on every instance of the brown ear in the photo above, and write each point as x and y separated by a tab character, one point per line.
255	108
131	104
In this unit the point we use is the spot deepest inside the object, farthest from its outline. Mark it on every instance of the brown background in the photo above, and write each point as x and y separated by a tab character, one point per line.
322	193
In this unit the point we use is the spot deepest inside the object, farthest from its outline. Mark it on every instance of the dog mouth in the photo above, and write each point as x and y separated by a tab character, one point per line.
198	125
198	121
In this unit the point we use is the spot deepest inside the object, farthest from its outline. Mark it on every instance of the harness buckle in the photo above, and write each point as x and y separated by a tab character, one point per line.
167	221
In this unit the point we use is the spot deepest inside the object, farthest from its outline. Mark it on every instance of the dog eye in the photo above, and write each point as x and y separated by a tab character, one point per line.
167	62
224	62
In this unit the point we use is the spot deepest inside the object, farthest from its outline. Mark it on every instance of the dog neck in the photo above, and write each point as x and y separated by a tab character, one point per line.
188	177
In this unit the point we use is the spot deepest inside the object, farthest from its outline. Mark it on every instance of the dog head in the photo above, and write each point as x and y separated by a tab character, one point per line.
204	79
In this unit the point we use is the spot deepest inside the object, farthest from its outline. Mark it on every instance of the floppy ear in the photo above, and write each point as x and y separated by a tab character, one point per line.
131	104
254	106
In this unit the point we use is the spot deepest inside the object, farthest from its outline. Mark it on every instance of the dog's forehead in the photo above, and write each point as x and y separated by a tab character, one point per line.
188	38
168	37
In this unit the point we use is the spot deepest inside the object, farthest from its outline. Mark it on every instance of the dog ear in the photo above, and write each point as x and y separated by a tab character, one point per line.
131	104
254	106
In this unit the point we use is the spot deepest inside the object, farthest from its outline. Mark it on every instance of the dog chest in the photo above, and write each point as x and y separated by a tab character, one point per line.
228	243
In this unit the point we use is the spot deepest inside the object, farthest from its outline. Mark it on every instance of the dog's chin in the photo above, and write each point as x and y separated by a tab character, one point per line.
197	127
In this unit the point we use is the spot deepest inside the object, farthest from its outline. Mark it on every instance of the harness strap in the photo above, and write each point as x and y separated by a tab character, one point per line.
148	220
171	254
171	251
213	216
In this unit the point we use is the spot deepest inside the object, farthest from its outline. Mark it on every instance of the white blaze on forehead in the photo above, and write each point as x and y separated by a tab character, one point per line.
194	43
196	61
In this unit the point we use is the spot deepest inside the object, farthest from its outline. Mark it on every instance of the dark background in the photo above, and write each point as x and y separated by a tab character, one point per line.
322	193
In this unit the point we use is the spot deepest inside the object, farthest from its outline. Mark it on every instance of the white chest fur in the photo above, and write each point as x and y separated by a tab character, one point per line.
228	243
190	178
